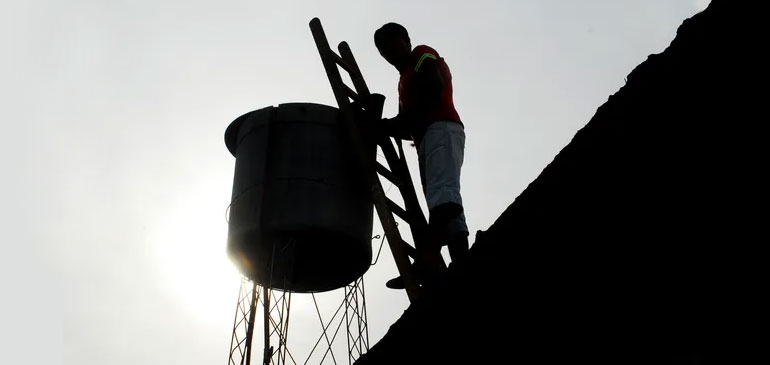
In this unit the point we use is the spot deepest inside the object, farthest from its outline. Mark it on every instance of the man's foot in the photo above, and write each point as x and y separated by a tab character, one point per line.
419	271
396	283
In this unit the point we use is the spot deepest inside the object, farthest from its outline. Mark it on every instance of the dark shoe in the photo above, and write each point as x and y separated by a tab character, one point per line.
419	272
398	281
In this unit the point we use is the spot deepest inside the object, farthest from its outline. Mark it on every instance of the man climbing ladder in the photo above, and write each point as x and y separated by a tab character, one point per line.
428	117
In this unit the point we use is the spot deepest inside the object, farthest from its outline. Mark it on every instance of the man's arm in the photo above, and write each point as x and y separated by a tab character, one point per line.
398	126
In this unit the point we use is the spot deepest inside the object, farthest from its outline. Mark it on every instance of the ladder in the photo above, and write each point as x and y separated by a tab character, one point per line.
360	106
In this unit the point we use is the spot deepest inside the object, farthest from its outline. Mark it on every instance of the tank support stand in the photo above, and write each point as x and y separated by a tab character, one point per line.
349	319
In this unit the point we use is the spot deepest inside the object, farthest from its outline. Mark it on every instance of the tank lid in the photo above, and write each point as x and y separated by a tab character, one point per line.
305	112
232	131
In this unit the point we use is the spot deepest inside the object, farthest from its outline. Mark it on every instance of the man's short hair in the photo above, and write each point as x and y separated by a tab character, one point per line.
390	31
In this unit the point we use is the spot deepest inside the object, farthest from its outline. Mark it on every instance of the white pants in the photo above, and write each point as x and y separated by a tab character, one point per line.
440	156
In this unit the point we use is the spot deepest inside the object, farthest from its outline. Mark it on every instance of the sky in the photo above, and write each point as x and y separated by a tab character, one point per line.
116	180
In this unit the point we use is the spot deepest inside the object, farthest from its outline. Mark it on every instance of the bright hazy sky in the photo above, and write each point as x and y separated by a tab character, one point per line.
116	177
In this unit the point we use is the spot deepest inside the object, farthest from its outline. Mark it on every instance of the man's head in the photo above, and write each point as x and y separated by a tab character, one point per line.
392	40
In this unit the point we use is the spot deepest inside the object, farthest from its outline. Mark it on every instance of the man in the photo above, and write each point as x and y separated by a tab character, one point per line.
428	117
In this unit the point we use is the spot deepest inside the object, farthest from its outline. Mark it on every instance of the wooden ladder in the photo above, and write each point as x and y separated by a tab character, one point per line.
359	108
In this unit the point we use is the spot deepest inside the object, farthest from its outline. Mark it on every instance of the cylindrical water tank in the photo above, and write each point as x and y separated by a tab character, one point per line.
301	214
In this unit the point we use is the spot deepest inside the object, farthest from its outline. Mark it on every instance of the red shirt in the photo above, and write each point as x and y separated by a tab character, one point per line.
445	110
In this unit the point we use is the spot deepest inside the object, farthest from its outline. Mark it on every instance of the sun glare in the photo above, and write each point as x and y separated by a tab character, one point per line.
191	259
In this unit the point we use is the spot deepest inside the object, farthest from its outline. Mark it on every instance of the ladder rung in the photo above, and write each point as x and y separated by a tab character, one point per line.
352	94
410	250
397	210
384	172
340	61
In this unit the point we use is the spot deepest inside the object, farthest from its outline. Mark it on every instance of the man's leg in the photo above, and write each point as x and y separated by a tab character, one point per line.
440	158
442	155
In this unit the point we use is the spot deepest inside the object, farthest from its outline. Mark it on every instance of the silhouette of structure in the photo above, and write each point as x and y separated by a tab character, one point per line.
639	242
300	222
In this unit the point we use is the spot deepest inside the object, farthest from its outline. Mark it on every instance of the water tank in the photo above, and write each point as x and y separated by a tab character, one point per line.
300	217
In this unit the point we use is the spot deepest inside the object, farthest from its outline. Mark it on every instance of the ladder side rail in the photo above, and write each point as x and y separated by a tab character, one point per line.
387	174
355	72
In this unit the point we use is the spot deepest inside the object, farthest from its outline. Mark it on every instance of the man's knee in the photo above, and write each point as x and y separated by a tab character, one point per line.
443	213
